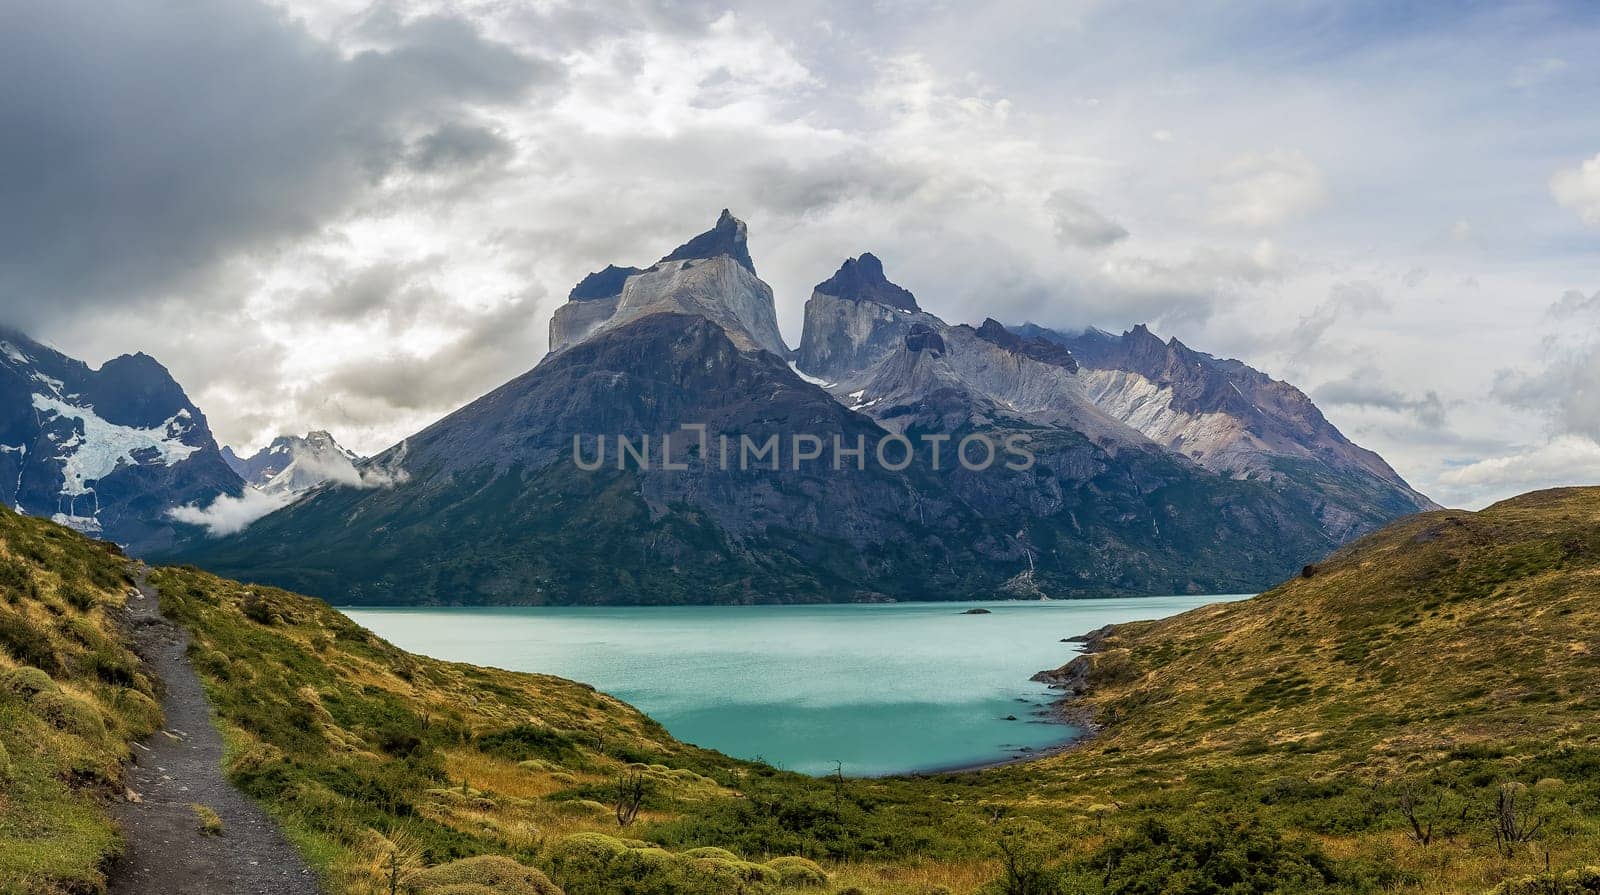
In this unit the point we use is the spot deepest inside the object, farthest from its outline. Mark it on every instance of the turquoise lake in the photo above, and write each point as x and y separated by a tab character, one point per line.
877	688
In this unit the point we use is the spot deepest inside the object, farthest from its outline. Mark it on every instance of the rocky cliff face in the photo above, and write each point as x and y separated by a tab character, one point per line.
105	451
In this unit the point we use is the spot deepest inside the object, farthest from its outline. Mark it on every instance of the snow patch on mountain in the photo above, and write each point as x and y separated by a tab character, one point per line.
808	377
14	354
100	447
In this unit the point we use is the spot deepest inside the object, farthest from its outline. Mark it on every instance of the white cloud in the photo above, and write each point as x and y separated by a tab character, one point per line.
1578	189
1572	303
227	515
1564	460
1266	189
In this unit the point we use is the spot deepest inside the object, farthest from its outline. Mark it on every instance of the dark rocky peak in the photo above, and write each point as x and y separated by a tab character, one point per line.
1034	347
922	337
136	390
862	279
728	237
1141	335
602	283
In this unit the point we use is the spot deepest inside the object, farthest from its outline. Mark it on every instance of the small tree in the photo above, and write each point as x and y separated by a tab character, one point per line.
1419	812
1026	849
629	798
1513	819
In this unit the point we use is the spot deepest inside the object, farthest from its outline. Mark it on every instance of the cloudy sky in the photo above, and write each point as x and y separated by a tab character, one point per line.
358	215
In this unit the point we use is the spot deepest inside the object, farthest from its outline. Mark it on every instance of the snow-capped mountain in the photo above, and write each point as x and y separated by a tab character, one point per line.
294	464
109	451
488	506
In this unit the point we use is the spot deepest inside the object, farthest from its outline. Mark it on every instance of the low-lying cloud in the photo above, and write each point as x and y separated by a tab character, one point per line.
228	515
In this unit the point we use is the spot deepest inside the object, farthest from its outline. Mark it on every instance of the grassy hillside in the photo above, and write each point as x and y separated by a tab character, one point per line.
1421	672
1418	714
71	697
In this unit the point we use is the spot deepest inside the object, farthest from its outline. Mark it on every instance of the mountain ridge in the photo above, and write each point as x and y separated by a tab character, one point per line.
494	507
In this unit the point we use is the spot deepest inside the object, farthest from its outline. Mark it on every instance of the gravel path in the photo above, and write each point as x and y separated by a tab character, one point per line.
179	767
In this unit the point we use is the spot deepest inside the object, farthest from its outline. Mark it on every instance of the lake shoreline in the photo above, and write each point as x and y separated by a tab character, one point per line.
898	690
1066	709
1063	712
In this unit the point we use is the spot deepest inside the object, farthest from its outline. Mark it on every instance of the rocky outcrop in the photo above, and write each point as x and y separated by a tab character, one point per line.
728	237
720	289
856	317
922	337
862	279
602	284
1039	349
710	276
590	303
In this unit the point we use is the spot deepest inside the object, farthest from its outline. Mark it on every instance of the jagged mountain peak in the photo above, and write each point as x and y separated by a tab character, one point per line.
1039	349
729	237
293	464
710	276
862	279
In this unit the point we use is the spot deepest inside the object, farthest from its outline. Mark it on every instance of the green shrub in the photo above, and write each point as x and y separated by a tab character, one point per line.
258	610
16	579
1583	881
595	864
1027	850
490	873
210	824
718	853
26	681
110	667
798	873
5	764
1237	854
25	642
525	742
69	713
79	597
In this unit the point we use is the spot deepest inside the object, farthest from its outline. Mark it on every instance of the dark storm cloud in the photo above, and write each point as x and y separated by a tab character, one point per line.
457	145
145	143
